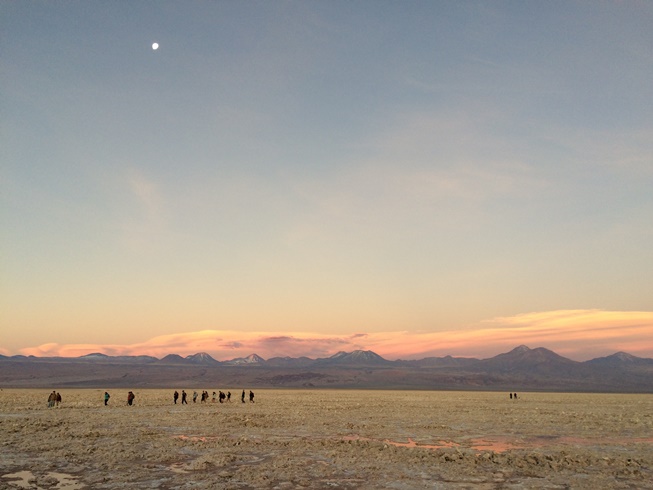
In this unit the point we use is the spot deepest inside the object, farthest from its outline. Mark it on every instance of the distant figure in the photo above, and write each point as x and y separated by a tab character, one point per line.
58	399
194	396
130	398
228	396
175	397
242	397
514	395
183	398
106	398
511	396
213	399
53	398
203	397
251	396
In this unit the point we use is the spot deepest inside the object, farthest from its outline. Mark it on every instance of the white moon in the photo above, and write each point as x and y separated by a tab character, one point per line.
155	46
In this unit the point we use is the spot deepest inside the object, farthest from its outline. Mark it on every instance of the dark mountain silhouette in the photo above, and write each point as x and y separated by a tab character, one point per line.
446	361
290	361
521	369
173	359
523	360
620	359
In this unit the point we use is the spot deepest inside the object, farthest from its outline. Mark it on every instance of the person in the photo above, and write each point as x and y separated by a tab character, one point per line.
251	396
511	396
183	398
58	398
106	398
221	397
175	396
130	398
514	395
51	399
194	396
228	396
213	399
242	397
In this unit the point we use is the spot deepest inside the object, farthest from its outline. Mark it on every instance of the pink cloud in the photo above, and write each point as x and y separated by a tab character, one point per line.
578	334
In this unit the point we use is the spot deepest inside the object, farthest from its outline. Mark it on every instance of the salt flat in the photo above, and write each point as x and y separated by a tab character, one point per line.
326	439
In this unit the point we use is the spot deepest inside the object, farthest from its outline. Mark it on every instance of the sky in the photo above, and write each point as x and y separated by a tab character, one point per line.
287	178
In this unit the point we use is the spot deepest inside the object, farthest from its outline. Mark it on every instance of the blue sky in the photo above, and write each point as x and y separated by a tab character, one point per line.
323	168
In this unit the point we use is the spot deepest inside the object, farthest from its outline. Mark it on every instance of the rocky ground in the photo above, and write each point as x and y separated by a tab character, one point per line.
326	439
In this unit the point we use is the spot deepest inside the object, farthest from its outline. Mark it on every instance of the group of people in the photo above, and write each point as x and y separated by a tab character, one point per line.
220	396
130	398
513	396
54	399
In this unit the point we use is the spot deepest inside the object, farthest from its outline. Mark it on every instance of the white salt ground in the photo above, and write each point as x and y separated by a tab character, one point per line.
326	439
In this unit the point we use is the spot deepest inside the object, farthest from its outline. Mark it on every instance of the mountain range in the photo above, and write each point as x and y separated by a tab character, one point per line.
521	369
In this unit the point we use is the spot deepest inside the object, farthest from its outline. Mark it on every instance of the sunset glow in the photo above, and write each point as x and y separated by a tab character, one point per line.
577	334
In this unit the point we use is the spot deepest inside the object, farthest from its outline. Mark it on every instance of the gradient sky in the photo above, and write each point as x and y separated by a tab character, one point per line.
298	178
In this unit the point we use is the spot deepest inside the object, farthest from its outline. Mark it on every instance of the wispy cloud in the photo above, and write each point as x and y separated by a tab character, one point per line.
143	218
146	192
445	168
578	334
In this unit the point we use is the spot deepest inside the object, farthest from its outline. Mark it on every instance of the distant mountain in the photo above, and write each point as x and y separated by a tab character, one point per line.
172	359
99	357
201	358
95	356
249	360
620	359
523	360
521	369
290	361
355	358
441	362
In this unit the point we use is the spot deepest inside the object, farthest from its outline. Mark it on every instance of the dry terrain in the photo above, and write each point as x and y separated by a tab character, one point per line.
326	439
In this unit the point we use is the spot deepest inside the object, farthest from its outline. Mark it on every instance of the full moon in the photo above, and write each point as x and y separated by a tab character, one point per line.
155	46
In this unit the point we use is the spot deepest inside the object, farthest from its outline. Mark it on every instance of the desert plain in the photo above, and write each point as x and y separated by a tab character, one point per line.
326	439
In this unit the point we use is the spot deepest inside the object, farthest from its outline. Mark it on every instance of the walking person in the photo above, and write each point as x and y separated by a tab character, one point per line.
175	396
106	398
130	398
183	398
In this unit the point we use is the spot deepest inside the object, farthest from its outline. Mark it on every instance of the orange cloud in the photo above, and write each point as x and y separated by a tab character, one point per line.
578	334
